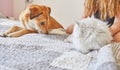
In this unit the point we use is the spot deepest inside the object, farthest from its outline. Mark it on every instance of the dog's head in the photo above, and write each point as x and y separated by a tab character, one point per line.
39	16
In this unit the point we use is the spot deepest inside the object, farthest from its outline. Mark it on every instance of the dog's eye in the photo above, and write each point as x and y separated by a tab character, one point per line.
42	23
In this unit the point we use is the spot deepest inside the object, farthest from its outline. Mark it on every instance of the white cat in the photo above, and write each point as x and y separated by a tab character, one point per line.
89	34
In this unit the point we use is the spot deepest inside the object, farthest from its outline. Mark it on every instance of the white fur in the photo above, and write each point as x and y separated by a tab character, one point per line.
57	31
31	25
89	34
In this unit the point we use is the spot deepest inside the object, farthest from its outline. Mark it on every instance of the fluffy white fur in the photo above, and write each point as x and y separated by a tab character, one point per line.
89	34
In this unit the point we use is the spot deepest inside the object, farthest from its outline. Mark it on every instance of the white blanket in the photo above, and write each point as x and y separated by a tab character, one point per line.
72	60
77	61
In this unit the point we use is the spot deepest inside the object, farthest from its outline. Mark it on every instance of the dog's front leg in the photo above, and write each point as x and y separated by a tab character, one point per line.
11	30
21	32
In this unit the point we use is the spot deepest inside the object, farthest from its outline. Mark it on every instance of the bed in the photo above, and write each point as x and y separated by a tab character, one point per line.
49	52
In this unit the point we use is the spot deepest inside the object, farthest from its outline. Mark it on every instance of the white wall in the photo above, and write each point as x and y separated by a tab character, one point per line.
19	5
64	11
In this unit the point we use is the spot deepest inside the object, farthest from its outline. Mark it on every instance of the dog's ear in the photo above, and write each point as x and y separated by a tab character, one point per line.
46	11
34	12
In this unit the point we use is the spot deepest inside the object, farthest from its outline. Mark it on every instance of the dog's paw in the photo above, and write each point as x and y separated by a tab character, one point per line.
7	35
12	35
4	35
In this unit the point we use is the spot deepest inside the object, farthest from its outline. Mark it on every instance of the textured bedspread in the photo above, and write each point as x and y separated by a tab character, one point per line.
48	52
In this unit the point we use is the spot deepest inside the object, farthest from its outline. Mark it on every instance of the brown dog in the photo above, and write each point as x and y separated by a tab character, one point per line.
35	19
